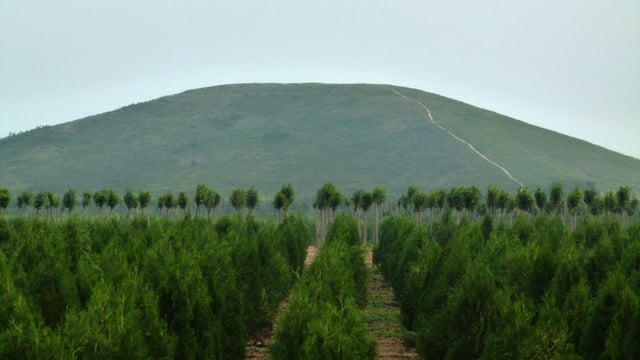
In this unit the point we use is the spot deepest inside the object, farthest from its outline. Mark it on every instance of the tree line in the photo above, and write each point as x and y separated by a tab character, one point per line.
167	204
425	206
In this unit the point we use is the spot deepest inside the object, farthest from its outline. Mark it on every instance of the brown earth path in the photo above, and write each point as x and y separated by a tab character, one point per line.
382	316
258	347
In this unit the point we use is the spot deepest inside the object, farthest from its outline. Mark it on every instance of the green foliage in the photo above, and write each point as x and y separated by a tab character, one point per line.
283	199
69	200
113	289
40	201
294	238
100	198
524	200
329	197
323	320
530	290
378	195
238	200
183	201
259	125
5	198
24	200
113	199
252	199
144	197
130	200
541	198
87	197
556	197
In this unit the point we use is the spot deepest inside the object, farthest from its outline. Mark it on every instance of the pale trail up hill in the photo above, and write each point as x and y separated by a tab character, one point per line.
481	155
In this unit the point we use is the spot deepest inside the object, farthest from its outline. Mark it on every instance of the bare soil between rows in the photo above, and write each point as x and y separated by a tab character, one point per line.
258	347
382	315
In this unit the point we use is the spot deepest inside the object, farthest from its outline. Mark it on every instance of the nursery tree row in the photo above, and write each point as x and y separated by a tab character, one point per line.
114	289
323	319
533	289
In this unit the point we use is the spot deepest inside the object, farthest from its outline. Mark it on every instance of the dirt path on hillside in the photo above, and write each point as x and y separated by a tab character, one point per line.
382	316
258	347
433	122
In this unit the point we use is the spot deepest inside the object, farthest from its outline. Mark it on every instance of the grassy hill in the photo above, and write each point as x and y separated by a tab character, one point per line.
267	135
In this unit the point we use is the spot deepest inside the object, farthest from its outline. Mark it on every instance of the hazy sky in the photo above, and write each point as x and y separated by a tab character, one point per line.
570	66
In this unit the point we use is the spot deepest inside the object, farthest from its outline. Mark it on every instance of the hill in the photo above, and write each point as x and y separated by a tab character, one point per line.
267	135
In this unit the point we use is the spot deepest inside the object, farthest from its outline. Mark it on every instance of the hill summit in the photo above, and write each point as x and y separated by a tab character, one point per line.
267	135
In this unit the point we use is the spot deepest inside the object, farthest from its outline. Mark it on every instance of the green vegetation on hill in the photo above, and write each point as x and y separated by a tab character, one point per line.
267	135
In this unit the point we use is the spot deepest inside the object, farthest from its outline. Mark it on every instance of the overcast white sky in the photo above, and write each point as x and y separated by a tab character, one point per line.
570	66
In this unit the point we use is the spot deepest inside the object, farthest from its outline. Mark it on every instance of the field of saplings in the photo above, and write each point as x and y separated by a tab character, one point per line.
533	289
495	276
115	289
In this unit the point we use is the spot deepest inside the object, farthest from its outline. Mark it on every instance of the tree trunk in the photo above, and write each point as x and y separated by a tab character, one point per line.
364	237
359	224
375	231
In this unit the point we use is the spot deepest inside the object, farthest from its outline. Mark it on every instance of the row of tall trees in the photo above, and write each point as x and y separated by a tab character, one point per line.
499	203
205	197
464	201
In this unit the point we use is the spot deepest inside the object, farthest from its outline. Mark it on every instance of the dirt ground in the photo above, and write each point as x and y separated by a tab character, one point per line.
382	315
258	348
